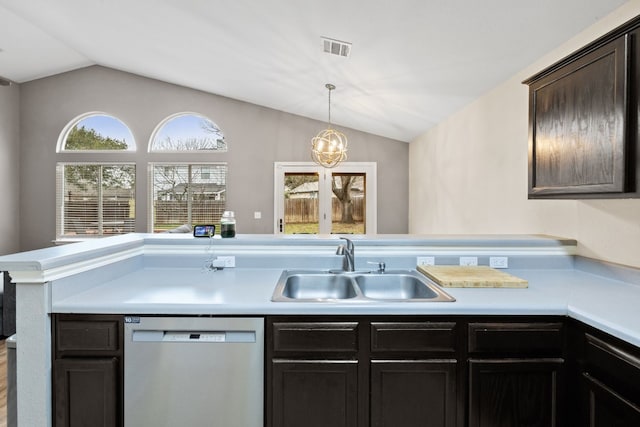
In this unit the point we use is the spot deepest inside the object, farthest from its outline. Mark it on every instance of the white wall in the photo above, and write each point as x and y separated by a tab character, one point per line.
9	188
256	136
469	173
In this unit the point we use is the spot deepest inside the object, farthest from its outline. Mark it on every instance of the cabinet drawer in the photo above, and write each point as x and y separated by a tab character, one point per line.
413	337
516	338
87	337
315	337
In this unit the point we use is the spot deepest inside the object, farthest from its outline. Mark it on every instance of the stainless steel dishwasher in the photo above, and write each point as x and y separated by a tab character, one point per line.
193	372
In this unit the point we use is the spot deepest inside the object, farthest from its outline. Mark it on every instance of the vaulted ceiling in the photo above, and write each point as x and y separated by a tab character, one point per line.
412	62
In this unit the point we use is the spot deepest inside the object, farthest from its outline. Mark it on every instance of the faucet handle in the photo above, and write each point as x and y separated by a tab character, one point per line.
381	265
349	243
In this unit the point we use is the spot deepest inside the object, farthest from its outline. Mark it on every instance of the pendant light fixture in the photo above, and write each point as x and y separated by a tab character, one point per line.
329	147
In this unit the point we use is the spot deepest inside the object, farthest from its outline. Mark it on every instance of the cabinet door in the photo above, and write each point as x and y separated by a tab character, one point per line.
408	393
515	392
314	393
606	408
577	142
86	392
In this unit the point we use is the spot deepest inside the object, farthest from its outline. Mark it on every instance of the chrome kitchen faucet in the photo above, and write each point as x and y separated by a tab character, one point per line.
348	262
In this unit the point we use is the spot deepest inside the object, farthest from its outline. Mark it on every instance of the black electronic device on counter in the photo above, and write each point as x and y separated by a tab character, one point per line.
205	230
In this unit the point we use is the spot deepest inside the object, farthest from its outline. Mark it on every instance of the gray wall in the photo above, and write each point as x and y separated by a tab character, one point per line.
257	137
9	188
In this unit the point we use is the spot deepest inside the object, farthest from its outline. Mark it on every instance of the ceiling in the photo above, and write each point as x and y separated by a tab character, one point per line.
413	62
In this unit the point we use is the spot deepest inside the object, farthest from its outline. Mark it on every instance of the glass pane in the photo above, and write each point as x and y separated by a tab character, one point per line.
301	203
118	210
99	132
98	200
189	132
188	194
348	203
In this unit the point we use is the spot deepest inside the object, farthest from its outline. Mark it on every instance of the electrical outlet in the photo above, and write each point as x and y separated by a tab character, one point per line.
257	215
468	260
499	262
229	261
426	260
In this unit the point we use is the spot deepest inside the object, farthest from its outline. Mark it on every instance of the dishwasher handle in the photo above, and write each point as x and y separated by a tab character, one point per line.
193	336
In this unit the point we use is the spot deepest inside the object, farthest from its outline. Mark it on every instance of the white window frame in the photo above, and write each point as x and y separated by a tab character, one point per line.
62	138
324	187
150	189
60	195
158	128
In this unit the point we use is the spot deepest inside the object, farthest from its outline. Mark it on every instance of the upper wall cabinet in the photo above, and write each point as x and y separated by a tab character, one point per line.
583	116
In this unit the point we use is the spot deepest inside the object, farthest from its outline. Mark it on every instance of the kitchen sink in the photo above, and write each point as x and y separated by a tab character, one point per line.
317	287
394	286
323	286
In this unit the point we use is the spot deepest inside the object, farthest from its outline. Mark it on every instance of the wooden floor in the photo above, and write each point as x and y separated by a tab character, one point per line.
3	383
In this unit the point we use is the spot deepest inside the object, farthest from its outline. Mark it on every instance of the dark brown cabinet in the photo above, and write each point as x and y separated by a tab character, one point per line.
87	370
603	407
362	372
515	392
389	371
516	374
577	130
584	112
86	392
413	373
608	377
313	373
315	393
413	393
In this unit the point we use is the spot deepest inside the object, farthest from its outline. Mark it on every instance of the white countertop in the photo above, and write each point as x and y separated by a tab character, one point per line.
162	274
607	304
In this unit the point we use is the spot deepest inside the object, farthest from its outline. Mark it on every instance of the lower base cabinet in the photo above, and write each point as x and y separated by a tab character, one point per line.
606	408
315	393
86	392
515	392
392	371
87	370
413	393
608	375
361	372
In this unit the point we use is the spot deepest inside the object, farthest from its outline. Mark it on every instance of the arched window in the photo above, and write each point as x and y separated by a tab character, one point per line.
95	198
187	132
96	131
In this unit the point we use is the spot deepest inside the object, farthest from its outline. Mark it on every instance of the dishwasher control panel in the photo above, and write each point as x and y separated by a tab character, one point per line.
142	335
194	336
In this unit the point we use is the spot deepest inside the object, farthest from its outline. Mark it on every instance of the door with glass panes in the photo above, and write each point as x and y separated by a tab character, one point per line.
310	199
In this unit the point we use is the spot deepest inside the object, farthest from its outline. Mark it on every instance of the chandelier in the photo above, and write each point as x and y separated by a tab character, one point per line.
329	147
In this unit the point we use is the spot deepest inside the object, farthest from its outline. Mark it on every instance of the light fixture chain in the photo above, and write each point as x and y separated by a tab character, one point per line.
329	107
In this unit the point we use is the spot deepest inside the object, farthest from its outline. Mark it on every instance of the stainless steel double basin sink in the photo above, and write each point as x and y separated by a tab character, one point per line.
351	287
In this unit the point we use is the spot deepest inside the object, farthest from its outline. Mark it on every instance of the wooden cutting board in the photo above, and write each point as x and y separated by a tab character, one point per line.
456	276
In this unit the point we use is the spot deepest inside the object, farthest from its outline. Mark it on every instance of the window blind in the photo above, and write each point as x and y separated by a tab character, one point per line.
95	199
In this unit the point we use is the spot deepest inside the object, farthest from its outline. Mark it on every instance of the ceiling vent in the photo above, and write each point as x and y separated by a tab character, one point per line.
336	47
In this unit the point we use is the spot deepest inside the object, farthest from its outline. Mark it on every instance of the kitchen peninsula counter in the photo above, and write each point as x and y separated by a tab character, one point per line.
168	275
